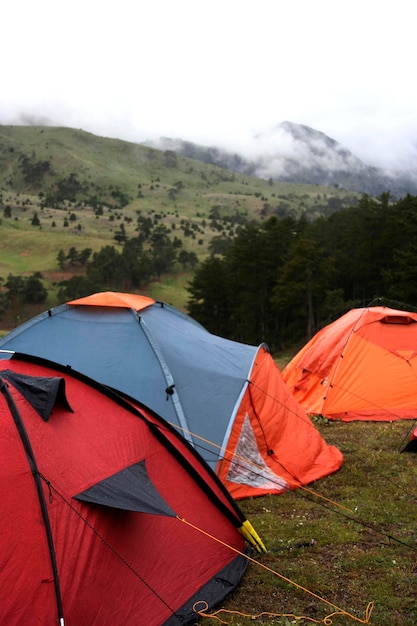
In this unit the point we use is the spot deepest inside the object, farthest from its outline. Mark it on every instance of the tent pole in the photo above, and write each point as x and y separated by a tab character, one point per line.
4	389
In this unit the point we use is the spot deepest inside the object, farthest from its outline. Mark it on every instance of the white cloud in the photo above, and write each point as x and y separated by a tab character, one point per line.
216	72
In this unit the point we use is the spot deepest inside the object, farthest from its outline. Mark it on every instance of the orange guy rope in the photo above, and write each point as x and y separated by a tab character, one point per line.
338	610
295	483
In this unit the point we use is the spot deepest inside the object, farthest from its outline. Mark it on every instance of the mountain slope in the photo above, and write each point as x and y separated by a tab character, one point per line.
62	188
299	154
58	165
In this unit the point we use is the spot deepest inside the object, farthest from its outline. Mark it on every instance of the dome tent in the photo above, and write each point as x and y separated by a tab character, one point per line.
99	499
411	444
227	398
363	366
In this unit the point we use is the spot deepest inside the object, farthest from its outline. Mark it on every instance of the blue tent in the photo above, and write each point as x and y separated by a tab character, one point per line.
227	398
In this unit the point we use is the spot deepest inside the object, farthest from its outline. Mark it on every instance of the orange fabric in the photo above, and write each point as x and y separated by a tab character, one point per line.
115	299
288	442
363	366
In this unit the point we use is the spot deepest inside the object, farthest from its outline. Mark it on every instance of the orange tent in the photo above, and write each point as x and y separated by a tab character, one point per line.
363	366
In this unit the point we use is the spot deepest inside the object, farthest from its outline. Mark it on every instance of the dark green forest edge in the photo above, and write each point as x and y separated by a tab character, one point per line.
255	260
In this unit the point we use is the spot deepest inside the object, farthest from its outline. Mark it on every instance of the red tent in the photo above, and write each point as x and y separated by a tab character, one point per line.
107	516
363	366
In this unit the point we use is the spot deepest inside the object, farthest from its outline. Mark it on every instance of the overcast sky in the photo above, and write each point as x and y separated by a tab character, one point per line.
216	72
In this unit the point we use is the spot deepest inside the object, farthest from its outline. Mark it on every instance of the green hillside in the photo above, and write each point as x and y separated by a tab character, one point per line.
63	188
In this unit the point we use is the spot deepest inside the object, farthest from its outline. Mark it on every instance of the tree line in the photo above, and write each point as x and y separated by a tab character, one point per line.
140	259
281	280
277	280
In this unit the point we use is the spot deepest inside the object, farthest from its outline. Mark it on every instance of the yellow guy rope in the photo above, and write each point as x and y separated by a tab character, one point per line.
327	620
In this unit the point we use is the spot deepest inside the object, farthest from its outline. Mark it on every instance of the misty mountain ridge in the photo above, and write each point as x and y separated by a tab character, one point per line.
298	154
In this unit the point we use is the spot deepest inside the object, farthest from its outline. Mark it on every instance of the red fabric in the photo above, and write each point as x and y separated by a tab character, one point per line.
74	451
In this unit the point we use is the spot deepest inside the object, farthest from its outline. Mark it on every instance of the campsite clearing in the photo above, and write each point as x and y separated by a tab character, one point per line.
348	557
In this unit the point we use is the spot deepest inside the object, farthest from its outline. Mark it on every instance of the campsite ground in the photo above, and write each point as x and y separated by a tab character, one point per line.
349	538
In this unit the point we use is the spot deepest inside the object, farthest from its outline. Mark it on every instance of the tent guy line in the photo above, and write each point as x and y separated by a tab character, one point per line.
328	619
340	611
378	472
301	490
108	544
257	469
53	489
364	524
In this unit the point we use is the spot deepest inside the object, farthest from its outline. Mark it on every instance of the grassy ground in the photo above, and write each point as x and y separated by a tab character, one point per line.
350	541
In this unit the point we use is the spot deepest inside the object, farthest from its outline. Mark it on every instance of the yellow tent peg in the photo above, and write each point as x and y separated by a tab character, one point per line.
251	536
